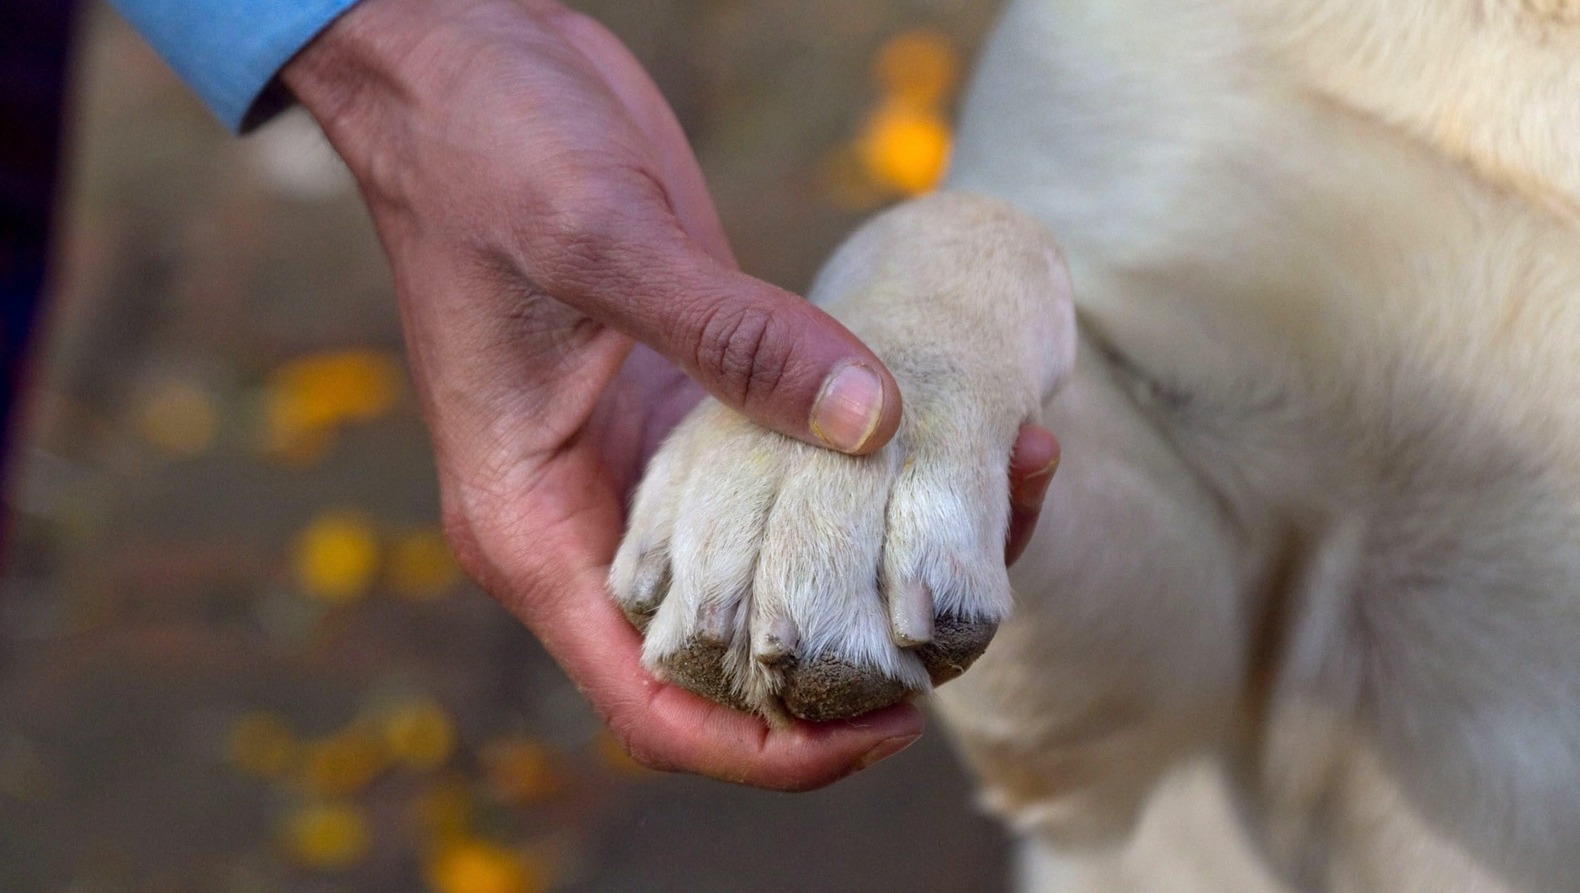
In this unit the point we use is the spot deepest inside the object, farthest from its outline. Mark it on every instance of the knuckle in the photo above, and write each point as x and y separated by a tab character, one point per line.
745	349
630	741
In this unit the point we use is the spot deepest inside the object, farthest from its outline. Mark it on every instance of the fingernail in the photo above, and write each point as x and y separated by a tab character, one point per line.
884	749
847	411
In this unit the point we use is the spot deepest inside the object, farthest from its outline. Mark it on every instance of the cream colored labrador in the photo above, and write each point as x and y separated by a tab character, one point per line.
1303	612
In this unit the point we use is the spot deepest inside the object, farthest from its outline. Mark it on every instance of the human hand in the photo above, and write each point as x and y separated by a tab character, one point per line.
541	208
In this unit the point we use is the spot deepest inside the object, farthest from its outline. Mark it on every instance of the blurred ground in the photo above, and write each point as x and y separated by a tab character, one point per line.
234	656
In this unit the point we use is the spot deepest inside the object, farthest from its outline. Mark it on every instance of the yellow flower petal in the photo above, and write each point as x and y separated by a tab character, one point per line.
904	149
419	735
481	867
421	566
326	836
336	556
308	399
291	436
343	763
332	387
522	771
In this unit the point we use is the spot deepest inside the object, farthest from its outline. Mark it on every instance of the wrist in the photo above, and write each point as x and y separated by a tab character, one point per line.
334	73
383	50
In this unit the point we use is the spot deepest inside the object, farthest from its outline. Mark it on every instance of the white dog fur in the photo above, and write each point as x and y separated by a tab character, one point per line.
1303	611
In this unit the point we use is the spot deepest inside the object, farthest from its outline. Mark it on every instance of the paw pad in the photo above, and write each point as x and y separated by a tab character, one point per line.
699	666
829	687
956	645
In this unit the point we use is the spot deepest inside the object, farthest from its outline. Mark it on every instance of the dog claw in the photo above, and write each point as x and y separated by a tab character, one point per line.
776	645
911	615
648	589
716	622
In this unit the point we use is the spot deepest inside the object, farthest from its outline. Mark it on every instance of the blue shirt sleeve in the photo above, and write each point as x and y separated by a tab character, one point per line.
228	51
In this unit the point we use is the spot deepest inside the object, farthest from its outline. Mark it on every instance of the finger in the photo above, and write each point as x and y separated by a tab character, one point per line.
679	730
1032	464
759	349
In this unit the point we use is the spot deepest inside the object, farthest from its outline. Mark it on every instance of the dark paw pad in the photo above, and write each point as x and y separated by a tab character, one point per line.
955	647
829	688
699	667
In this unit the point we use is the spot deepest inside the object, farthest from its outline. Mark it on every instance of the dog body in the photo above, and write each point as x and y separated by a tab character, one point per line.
1303	611
1333	246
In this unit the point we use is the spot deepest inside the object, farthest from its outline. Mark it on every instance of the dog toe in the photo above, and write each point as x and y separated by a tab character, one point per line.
648	588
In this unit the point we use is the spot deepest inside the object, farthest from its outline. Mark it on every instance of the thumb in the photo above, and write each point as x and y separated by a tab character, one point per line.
779	360
761	350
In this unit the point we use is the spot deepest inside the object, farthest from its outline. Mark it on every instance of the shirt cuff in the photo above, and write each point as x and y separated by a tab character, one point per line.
228	51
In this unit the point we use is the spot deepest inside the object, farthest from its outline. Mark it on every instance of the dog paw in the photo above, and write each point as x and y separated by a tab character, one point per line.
783	579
